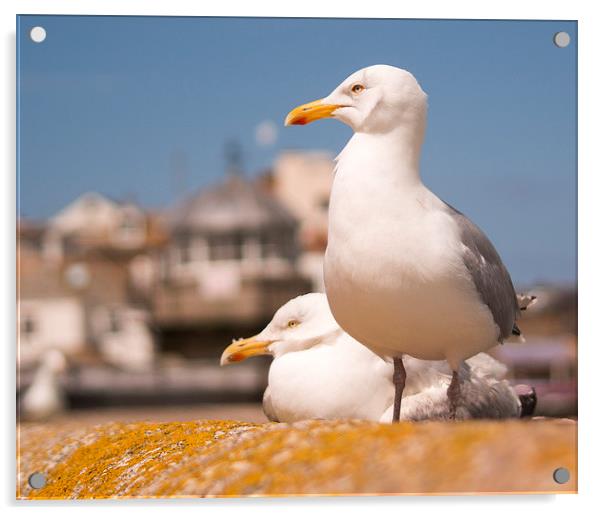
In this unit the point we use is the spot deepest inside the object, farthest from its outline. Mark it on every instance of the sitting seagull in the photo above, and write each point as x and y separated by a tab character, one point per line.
405	272
319	371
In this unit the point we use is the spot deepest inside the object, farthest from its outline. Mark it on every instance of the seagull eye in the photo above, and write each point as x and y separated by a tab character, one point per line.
292	323
356	89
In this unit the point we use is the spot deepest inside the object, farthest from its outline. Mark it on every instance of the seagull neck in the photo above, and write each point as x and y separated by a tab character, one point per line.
332	335
397	151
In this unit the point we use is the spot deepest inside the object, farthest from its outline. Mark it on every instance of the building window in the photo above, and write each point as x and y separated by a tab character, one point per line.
271	243
28	325
129	225
225	247
131	228
184	251
237	243
114	322
251	248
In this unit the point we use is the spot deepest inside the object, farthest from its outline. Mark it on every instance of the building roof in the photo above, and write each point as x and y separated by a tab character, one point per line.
235	204
95	278
38	279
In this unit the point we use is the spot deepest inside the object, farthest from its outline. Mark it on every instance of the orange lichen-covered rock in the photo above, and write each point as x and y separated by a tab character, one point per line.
227	458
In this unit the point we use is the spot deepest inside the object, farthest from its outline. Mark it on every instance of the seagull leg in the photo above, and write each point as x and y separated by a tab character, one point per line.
453	394
399	380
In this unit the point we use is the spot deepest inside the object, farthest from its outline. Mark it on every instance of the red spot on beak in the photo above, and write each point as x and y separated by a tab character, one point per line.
237	356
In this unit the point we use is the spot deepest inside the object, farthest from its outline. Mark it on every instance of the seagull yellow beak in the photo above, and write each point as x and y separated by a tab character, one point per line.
311	112
240	350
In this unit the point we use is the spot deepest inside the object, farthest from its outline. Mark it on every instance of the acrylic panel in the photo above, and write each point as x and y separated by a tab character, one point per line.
185	183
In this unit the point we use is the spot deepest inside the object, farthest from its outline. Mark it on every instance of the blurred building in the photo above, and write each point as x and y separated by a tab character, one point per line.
75	284
302	181
142	304
230	263
93	222
51	316
120	290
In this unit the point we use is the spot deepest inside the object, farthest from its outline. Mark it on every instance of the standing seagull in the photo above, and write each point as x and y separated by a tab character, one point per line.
405	272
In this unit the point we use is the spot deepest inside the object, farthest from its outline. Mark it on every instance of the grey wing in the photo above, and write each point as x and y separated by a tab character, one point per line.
483	365
480	398
488	399
489	275
267	406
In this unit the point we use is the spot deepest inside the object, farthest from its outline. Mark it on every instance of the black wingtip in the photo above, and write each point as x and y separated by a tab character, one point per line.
528	399
516	331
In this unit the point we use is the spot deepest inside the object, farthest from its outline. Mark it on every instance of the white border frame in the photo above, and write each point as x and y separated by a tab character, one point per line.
589	209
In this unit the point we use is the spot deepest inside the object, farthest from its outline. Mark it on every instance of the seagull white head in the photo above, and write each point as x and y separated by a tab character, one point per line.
376	99
298	325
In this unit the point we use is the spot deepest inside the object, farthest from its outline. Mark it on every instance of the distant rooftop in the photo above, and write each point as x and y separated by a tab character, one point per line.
234	204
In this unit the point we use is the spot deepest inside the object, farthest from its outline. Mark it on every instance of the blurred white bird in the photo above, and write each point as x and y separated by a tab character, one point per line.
405	272
45	397
319	371
131	348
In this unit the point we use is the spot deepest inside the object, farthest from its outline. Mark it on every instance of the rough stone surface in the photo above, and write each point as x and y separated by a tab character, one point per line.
228	458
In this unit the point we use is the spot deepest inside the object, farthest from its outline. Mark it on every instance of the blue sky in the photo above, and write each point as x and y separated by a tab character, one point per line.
114	105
